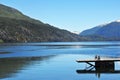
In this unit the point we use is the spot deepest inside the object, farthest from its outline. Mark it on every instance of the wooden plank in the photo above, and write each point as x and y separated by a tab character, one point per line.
95	60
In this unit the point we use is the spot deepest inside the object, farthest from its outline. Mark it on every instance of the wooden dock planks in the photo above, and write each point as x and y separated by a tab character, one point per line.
101	60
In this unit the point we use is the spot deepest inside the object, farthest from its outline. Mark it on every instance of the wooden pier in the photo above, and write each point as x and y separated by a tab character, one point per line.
101	60
100	64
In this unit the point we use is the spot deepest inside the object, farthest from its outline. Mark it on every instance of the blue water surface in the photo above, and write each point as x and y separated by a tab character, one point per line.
55	60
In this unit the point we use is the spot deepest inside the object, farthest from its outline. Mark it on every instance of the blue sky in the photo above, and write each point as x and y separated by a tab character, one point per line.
72	15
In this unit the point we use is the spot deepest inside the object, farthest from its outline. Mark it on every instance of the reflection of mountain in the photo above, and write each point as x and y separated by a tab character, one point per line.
9	66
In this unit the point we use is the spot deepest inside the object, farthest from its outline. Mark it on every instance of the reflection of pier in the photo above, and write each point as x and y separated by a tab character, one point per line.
94	71
101	71
106	66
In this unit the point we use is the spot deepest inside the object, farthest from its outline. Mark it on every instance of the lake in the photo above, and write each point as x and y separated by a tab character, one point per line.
55	60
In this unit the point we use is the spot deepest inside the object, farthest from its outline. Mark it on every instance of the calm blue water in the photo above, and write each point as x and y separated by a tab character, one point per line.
54	61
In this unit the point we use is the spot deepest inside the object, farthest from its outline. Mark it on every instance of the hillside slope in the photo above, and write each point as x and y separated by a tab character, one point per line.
110	31
17	27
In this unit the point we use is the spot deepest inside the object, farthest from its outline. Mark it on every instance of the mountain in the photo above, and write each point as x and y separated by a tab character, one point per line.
90	31
109	31
17	27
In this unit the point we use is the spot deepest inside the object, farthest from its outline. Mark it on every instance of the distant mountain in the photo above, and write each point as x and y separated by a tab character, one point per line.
90	31
110	31
17	27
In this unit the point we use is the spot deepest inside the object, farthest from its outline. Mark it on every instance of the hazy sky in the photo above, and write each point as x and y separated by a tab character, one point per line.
72	15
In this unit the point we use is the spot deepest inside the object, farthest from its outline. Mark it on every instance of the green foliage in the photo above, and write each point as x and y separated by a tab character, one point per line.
1	41
13	30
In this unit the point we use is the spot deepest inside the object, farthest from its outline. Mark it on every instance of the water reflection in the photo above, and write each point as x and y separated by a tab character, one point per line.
98	72
4	52
60	67
10	66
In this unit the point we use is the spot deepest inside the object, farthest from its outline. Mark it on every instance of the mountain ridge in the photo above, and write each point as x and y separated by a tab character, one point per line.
10	12
17	27
109	31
